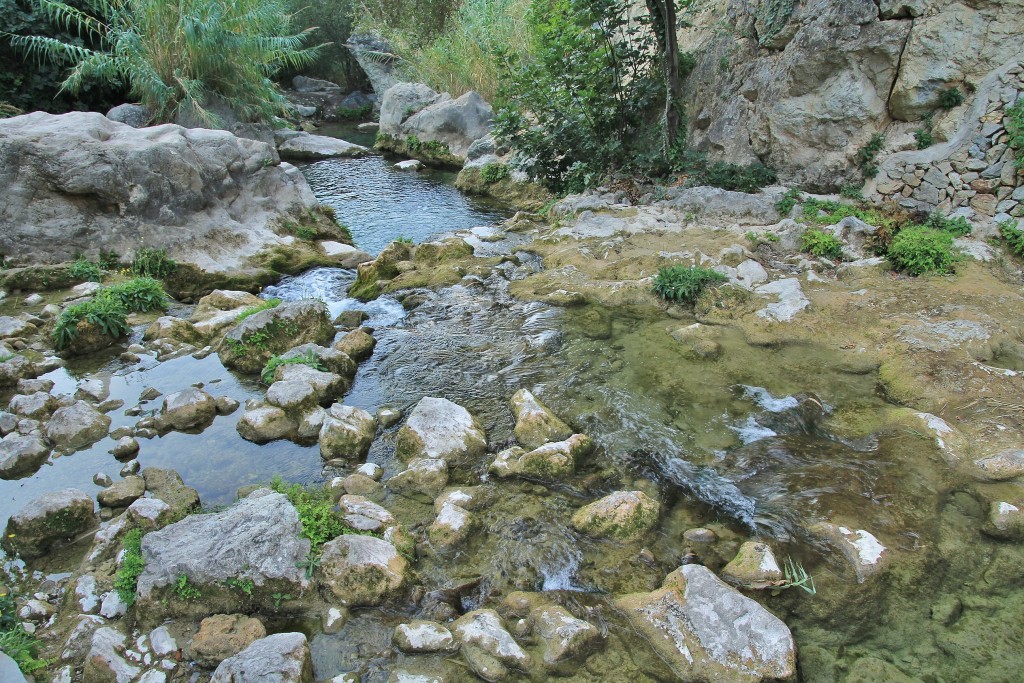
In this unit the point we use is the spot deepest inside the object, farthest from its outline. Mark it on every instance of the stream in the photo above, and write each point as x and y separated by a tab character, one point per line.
738	446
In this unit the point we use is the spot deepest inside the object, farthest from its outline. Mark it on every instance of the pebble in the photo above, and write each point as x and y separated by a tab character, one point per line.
102	479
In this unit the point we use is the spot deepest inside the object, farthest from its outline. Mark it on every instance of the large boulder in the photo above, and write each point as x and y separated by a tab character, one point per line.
190	408
551	462
265	424
21	455
456	123
400	101
280	658
258	539
249	346
76	426
361	571
168	486
48	521
536	425
376	59
440	429
488	648
134	115
80	183
707	631
347	432
306	147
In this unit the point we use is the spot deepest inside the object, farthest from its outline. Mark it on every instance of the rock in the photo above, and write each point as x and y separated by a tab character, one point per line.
351	319
482	631
440	429
14	369
79	640
363	515
125	447
705	630
345	255
257	539
168	487
1005	520
37	406
361	571
334	620
423	637
399	101
384	267
122	493
102	479
320	387
1008	464
48	521
451	527
422	479
332	360
294	397
226	405
565	639
12	328
8	423
536	425
280	658
9	670
456	123
188	409
305	84
211	199
168	327
371	470
265	424
700	535
864	553
113	606
409	165
280	329
550	462
387	418
105	662
306	147
162	641
347	432
130	467
754	566
94	389
357	344
376	58
134	115
77	426
21	455
625	515
149	513
224	635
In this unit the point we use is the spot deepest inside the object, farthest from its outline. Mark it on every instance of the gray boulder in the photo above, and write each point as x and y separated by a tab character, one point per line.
488	648
122	493
280	658
420	637
48	521
400	101
705	630
347	432
15	369
324	386
565	639
456	123
306	147
361	571
9	670
423	479
277	330
21	455
134	115
191	408
257	539
305	84
376	59
77	426
105	662
265	424
440	429
536	425
12	328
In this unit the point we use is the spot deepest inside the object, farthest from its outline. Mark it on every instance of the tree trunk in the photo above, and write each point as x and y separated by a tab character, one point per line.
663	16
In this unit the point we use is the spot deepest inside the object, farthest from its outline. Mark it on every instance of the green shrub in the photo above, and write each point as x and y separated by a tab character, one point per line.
184	590
132	564
85	270
924	138
1013	120
732	176
950	97
851	192
109	260
685	283
315	505
493	173
138	295
1013	235
957	227
357	114
820	243
106	313
866	155
179	57
919	250
253	310
785	205
20	645
309	358
153	263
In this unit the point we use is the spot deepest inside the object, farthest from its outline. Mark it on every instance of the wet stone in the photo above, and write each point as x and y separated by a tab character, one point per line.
361	570
21	455
754	566
48	521
451	527
565	638
347	432
122	493
1002	466
481	632
423	479
224	635
536	425
125	447
700	535
77	426
364	515
280	658
440	429
189	409
265	424
861	550
36	406
624	515
419	637
105	661
357	344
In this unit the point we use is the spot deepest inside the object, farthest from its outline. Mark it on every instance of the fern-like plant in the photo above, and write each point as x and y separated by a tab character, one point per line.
179	56
685	283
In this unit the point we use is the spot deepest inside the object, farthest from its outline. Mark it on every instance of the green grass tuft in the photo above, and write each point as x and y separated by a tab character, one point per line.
85	270
685	283
265	306
132	564
310	359
138	295
153	263
106	313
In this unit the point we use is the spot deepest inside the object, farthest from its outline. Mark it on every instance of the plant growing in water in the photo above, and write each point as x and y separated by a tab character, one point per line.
105	313
85	270
685	283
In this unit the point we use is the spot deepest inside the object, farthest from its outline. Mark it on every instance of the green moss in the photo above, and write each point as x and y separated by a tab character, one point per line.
897	381
184	590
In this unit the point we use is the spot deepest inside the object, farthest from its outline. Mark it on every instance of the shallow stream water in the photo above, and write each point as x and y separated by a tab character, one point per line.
737	445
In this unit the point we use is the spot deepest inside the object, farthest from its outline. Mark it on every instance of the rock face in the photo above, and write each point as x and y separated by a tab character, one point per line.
256	539
76	426
535	423
265	424
361	570
249	346
80	183
705	630
440	429
48	521
625	515
280	658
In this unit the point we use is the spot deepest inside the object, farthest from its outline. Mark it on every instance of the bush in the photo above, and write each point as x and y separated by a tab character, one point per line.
866	156
493	173
315	506
85	270
107	313
730	176
919	250
789	200
1013	120
180	57
310	359
924	138
1013	235
950	97
685	283
822	244
132	564
138	295
153	263
957	227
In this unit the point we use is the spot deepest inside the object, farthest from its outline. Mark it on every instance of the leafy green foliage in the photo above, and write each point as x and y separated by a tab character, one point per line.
727	176
820	243
685	283
1013	235
823	212
428	147
493	173
106	313
919	250
179	57
315	506
1013	121
950	97
253	310
4	357
20	645
357	114
924	138
851	192
789	200
334	62
85	270
138	295
309	358
153	263
186	591
244	585
773	15
132	564
957	227
866	155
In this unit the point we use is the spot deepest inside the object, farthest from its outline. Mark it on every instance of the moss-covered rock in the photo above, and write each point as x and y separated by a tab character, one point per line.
48	521
384	267
624	515
249	346
520	194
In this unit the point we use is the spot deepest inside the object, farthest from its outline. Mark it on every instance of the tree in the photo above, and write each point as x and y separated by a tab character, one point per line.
663	19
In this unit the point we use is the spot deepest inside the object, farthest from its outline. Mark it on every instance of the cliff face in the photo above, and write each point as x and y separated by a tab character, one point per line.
802	85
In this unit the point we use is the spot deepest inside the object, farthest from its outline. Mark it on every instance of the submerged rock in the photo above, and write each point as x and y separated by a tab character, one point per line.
423	479
357	344
754	566
705	630
1008	464
1005	520
48	521
347	432
77	426
361	571
625	515
565	638
488	648
451	527
420	637
224	635
440	429
550	462
280	658
864	553
536	425
21	455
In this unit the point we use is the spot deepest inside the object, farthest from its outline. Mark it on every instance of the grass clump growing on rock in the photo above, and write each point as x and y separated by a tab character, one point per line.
1013	235
15	641
820	243
153	263
685	283
920	250
132	564
493	173
1013	121
138	295
310	359
85	270
105	313
265	306
315	506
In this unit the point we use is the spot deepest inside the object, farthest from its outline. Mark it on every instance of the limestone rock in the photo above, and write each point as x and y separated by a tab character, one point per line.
12	328
306	147
1008	464
280	658
422	479
364	515
536	425
1005	520
134	115
440	429
76	426
451	527
21	455
399	101
125	447
482	631
105	662
705	630
168	487
357	344
48	521
862	551
457	123
565	638
191	408
551	462
268	423
36	406
332	359
420	637
754	566
224	635
14	369
361	570
9	670
347	432
169	327
122	493
279	329
625	515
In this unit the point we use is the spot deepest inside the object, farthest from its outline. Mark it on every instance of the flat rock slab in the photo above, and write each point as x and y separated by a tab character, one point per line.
306	147
280	658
